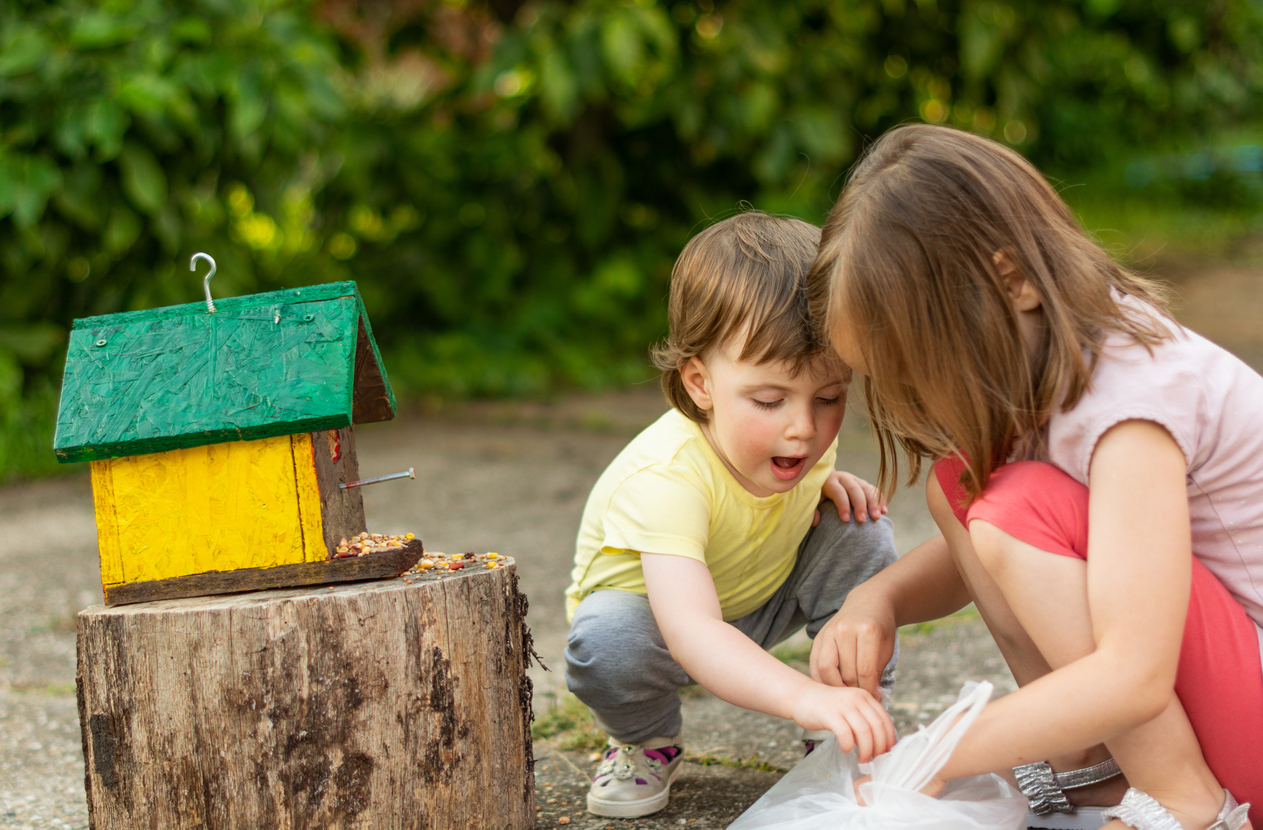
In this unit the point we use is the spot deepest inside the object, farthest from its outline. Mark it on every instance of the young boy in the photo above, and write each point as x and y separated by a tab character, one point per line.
705	541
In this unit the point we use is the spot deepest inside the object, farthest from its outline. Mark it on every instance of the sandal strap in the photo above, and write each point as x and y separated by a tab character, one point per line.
1038	783
1104	771
1139	810
1045	789
1232	816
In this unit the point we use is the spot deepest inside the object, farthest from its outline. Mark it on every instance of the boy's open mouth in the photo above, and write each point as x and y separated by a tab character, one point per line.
786	468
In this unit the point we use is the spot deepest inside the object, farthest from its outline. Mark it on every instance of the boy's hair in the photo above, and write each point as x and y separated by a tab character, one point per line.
745	276
907	267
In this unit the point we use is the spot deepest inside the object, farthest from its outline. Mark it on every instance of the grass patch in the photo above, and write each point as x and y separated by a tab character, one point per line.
753	762
49	689
967	614
569	723
1172	217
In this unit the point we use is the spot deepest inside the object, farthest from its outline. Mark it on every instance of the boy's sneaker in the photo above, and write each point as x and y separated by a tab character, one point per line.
812	738
635	779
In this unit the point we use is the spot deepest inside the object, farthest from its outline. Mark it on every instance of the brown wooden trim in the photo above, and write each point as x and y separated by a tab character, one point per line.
373	399
351	569
341	511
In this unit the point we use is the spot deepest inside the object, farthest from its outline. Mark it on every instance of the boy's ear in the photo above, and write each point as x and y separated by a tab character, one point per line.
1021	293
696	380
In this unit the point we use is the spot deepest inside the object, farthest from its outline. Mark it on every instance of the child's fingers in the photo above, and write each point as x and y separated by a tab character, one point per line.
834	492
867	659
859	799
861	733
886	725
879	721
855	495
826	662
846	740
876	504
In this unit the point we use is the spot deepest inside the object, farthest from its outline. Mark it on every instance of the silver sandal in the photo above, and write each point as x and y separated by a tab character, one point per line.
1141	811
1045	790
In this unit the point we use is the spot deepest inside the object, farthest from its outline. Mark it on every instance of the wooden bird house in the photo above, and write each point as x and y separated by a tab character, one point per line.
218	440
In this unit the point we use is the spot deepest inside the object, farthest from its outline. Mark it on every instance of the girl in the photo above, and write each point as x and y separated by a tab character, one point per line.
1098	482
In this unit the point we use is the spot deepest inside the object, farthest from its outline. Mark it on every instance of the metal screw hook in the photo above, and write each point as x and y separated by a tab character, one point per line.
409	473
210	304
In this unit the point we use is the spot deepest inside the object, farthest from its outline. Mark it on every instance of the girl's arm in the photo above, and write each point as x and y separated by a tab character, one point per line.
1137	590
735	668
854	647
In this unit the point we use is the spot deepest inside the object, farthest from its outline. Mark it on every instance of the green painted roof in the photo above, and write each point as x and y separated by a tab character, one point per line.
262	365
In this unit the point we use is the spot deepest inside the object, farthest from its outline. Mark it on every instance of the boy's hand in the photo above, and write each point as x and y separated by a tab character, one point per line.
853	715
849	493
855	645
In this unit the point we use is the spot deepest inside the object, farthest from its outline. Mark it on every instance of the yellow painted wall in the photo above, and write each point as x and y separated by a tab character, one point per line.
220	507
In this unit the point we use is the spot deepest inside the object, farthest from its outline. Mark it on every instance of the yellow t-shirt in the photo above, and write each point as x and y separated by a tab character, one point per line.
668	492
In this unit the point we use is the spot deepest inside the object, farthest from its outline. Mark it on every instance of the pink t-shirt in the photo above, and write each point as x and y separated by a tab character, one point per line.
1212	404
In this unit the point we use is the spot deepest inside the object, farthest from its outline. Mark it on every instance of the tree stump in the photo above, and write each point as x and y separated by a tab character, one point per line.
377	705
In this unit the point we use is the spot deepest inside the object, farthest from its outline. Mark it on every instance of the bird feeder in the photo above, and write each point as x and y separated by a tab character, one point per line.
220	437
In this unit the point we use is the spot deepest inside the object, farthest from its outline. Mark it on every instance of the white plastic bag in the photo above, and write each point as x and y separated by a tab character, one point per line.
819	793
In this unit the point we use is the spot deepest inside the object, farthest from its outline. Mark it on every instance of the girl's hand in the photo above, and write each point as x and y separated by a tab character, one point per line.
855	645
855	716
931	789
849	493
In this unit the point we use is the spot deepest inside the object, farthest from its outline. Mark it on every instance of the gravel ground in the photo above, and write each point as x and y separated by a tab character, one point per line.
510	478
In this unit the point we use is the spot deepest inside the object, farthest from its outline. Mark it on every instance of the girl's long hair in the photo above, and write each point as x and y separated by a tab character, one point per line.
907	269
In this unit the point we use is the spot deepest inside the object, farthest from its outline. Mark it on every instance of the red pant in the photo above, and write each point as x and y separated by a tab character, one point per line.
1219	679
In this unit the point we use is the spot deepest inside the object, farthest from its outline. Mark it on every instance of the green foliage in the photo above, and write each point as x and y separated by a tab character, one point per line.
510	183
553	178
137	131
27	423
133	134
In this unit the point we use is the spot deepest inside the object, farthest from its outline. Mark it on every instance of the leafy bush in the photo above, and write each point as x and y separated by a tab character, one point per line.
555	167
135	133
509	183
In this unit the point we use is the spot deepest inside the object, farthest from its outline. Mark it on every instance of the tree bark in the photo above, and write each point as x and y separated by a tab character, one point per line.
379	705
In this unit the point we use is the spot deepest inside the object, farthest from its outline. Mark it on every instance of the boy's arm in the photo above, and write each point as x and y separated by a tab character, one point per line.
735	668
850	492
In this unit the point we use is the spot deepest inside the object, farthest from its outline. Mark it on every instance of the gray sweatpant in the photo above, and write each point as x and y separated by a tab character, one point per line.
618	663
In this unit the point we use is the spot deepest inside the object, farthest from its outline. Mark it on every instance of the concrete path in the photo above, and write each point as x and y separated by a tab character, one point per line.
505	477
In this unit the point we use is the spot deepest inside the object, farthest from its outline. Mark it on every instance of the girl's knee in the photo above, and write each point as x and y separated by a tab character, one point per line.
991	545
